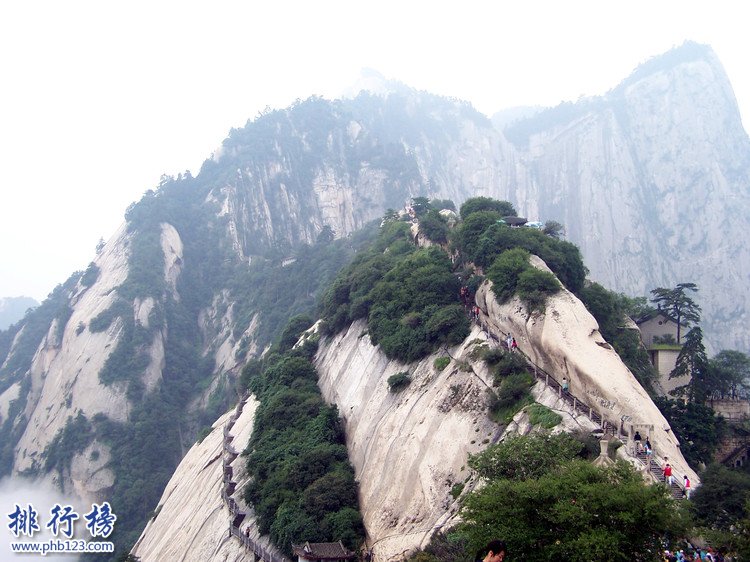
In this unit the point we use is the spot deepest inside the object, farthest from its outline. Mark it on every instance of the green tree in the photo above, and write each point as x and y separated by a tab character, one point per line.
420	205
720	500
390	215
579	513
525	457
610	310
534	286
326	235
693	363
293	330
697	427
473	227
635	307
676	305
729	373
434	226
554	229
505	271
476	204
440	204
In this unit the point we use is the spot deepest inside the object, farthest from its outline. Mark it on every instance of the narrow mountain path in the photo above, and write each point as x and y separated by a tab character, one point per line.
654	465
236	517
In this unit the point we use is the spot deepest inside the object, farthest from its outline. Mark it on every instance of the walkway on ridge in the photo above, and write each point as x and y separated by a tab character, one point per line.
256	550
581	407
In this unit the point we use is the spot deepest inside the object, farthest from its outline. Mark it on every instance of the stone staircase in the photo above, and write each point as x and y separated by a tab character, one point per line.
580	407
657	473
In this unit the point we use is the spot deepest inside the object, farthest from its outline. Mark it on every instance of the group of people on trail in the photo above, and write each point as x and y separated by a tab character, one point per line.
694	554
666	469
474	312
669	479
642	447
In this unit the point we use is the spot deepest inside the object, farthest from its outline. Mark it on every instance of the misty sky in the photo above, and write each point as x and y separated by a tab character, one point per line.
99	99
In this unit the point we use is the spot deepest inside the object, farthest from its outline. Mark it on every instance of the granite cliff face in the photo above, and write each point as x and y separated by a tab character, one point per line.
648	179
651	182
409	448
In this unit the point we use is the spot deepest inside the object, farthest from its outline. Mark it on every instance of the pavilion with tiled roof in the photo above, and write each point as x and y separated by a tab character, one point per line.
317	551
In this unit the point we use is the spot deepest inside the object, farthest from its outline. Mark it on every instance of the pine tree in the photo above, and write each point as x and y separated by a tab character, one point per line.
693	362
676	305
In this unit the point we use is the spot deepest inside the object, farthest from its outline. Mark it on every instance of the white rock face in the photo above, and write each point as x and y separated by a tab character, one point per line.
411	447
408	448
565	342
6	398
192	522
65	370
171	245
648	181
217	325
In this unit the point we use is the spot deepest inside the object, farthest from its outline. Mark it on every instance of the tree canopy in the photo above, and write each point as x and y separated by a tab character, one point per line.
409	296
692	362
729	373
476	204
524	458
677	305
302	485
549	505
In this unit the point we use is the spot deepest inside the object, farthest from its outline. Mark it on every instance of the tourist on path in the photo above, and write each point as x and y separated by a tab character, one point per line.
668	478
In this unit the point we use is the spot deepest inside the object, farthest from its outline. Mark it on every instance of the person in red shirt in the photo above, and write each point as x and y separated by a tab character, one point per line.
668	474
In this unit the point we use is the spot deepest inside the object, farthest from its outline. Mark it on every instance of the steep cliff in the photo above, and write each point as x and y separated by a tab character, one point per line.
410	448
565	341
192	519
650	180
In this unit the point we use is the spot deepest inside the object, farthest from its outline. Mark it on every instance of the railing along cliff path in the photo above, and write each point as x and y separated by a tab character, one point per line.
256	550
650	463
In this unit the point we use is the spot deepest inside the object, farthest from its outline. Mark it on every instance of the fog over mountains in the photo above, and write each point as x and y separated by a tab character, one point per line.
650	180
12	309
136	354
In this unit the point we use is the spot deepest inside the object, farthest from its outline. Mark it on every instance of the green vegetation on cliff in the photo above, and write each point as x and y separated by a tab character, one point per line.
409	296
25	337
302	485
547	504
482	237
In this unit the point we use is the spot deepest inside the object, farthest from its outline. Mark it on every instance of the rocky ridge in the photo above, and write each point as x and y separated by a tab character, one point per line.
410	448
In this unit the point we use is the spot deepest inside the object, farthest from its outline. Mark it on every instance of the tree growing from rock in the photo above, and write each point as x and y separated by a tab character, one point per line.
476	204
676	305
554	229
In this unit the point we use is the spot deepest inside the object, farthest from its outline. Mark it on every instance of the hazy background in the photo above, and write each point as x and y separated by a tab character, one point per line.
98	100
42	497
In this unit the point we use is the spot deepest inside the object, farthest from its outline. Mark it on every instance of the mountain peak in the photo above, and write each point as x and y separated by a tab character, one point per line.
689	51
370	80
